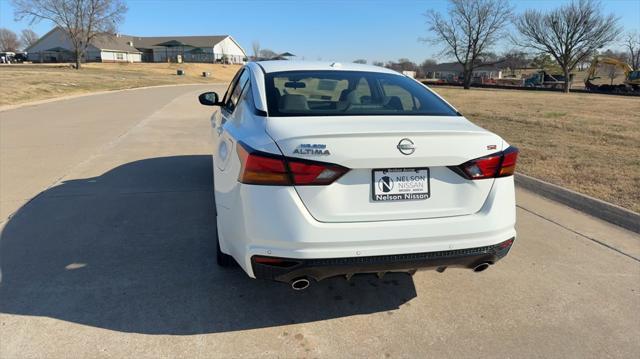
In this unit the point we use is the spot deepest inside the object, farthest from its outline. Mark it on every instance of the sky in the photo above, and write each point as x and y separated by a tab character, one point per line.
330	30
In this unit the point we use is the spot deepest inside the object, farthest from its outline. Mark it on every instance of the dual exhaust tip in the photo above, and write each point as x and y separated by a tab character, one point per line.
303	283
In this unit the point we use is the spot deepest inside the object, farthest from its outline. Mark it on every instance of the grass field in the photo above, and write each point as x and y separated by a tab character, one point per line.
31	82
589	143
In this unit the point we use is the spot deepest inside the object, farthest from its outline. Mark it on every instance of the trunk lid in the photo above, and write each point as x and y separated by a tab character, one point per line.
364	143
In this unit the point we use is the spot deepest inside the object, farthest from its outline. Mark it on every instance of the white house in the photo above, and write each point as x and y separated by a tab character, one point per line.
216	48
55	46
452	71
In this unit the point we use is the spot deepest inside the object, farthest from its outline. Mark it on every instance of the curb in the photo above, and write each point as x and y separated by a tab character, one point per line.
597	208
70	97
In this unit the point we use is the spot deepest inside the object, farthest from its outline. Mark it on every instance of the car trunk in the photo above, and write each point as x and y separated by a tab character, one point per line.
364	144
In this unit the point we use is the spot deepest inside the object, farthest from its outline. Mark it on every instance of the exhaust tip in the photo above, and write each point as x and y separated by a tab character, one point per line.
481	267
300	284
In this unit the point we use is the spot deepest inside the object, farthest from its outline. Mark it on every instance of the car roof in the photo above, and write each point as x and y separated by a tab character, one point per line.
288	65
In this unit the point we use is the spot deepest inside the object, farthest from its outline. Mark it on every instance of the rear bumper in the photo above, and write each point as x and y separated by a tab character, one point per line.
273	222
287	269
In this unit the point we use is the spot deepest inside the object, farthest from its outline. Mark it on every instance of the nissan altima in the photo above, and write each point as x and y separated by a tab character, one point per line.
329	169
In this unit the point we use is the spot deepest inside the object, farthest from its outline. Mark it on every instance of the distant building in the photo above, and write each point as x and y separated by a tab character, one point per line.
452	71
55	46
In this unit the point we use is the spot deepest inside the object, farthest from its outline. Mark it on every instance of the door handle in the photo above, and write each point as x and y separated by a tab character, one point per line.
219	130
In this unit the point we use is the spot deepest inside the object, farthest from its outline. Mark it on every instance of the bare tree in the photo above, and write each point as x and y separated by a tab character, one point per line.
82	20
570	34
612	72
427	67
378	63
256	50
9	40
28	37
515	60
544	62
360	61
267	54
632	43
470	29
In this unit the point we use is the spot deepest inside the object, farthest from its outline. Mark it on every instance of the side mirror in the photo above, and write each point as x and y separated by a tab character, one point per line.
209	99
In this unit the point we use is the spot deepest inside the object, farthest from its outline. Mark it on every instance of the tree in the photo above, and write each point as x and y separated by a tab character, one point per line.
632	44
9	40
544	62
28	37
256	50
426	67
267	54
402	65
82	20
613	71
514	60
471	28
378	63
570	33
360	61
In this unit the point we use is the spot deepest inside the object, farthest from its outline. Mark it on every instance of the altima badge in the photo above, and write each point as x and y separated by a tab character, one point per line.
406	146
316	149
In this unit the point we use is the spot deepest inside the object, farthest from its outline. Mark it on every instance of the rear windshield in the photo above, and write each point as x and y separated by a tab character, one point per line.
341	93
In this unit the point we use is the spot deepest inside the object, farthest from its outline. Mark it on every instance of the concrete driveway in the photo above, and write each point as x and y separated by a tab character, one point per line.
107	251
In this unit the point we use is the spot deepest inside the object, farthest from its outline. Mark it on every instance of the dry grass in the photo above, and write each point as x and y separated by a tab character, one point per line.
31	82
589	143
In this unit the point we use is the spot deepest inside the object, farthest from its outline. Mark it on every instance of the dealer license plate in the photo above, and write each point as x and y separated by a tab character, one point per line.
400	184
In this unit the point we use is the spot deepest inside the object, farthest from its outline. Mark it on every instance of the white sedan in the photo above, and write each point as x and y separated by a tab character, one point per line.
328	169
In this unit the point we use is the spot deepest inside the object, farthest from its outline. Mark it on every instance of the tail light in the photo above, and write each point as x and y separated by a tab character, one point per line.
268	169
499	164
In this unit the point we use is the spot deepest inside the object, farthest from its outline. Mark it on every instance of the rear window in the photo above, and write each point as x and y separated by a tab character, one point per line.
341	93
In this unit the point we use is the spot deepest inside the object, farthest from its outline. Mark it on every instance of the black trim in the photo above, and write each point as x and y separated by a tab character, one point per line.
261	68
322	268
259	112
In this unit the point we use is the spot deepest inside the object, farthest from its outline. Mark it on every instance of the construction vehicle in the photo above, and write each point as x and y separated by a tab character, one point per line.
545	80
631	82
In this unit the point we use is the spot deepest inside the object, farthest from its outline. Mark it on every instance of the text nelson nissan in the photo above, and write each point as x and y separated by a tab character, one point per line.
327	169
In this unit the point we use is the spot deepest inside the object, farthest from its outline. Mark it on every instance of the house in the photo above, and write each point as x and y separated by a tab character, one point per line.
218	48
55	46
452	72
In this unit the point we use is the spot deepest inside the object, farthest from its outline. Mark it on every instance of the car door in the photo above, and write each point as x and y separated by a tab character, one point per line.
228	131
219	118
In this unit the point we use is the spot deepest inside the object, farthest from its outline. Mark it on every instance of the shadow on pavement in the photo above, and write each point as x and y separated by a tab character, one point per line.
133	250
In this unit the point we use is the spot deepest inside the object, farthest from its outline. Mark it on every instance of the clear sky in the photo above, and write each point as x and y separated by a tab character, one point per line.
312	29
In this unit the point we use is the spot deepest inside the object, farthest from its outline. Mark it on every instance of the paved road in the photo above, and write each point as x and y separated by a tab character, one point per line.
114	258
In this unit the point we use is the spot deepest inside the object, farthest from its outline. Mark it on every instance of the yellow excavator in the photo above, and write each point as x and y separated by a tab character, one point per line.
631	78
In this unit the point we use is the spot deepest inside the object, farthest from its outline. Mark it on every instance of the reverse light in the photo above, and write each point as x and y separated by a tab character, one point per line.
499	164
268	169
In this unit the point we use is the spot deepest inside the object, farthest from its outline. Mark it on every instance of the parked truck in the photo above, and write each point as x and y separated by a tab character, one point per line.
546	80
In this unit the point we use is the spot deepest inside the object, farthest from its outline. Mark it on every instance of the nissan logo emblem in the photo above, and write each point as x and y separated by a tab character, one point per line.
406	146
